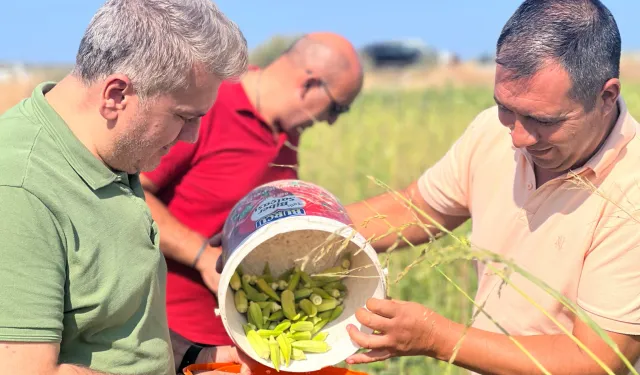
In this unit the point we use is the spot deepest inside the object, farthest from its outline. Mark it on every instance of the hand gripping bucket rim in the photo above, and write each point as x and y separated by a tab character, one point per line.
262	240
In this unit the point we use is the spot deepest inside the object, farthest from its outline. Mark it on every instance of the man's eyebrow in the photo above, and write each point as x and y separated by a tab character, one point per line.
548	118
539	118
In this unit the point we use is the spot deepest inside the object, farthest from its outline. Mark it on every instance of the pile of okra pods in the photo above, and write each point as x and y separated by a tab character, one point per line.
286	313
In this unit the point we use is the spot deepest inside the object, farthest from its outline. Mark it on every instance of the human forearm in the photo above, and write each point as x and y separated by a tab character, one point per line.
180	345
38	358
382	217
77	370
496	354
410	329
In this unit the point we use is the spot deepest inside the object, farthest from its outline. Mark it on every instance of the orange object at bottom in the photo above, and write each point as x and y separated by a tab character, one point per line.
234	368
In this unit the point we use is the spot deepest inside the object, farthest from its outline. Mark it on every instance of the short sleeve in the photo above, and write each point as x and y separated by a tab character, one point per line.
445	185
609	288
32	269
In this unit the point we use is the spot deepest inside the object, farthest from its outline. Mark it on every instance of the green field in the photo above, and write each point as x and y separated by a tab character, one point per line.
395	136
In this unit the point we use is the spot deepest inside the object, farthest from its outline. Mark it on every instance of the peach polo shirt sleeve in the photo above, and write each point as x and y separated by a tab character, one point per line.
446	185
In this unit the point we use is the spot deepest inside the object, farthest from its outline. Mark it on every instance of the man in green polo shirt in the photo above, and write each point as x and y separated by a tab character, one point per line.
82	278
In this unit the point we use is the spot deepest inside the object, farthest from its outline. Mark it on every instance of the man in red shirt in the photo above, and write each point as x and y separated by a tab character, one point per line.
249	137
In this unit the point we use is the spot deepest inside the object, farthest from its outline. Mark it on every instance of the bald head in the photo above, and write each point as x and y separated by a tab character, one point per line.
332	57
315	80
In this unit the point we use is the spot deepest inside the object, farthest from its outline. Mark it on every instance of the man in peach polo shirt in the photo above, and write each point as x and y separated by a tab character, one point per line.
523	172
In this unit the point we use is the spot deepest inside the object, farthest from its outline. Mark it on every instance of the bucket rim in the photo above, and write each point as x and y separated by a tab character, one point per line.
278	227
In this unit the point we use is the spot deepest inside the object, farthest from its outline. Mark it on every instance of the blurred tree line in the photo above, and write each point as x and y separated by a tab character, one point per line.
397	53
268	51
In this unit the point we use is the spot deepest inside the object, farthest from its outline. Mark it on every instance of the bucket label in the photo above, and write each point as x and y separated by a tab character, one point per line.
279	215
274	201
273	204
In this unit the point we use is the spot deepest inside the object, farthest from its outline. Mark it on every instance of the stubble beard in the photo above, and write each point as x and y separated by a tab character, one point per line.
132	152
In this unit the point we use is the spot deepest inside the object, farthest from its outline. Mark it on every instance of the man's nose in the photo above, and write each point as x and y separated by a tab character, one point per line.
521	136
189	133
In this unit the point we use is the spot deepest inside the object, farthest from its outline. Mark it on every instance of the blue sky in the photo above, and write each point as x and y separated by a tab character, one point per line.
46	31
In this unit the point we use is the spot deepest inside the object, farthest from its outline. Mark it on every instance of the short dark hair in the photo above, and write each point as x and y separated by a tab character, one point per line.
581	35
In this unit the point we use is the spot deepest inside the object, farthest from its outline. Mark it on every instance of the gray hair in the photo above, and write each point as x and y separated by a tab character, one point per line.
157	43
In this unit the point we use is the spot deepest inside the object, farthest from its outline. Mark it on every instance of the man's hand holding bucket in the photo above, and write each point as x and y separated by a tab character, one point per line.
402	329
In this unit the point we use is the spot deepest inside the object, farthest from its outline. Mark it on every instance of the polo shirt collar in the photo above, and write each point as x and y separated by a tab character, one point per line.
94	172
243	105
622	133
242	102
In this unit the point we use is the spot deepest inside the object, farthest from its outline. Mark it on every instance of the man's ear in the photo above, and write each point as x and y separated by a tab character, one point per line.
114	96
610	94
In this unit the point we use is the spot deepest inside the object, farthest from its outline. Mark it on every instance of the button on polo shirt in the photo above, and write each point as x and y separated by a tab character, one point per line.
80	259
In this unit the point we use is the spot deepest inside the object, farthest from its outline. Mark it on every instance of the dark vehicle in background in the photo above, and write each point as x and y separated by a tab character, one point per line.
396	53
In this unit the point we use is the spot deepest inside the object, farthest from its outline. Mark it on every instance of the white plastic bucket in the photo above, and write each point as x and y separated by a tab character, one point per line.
289	223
